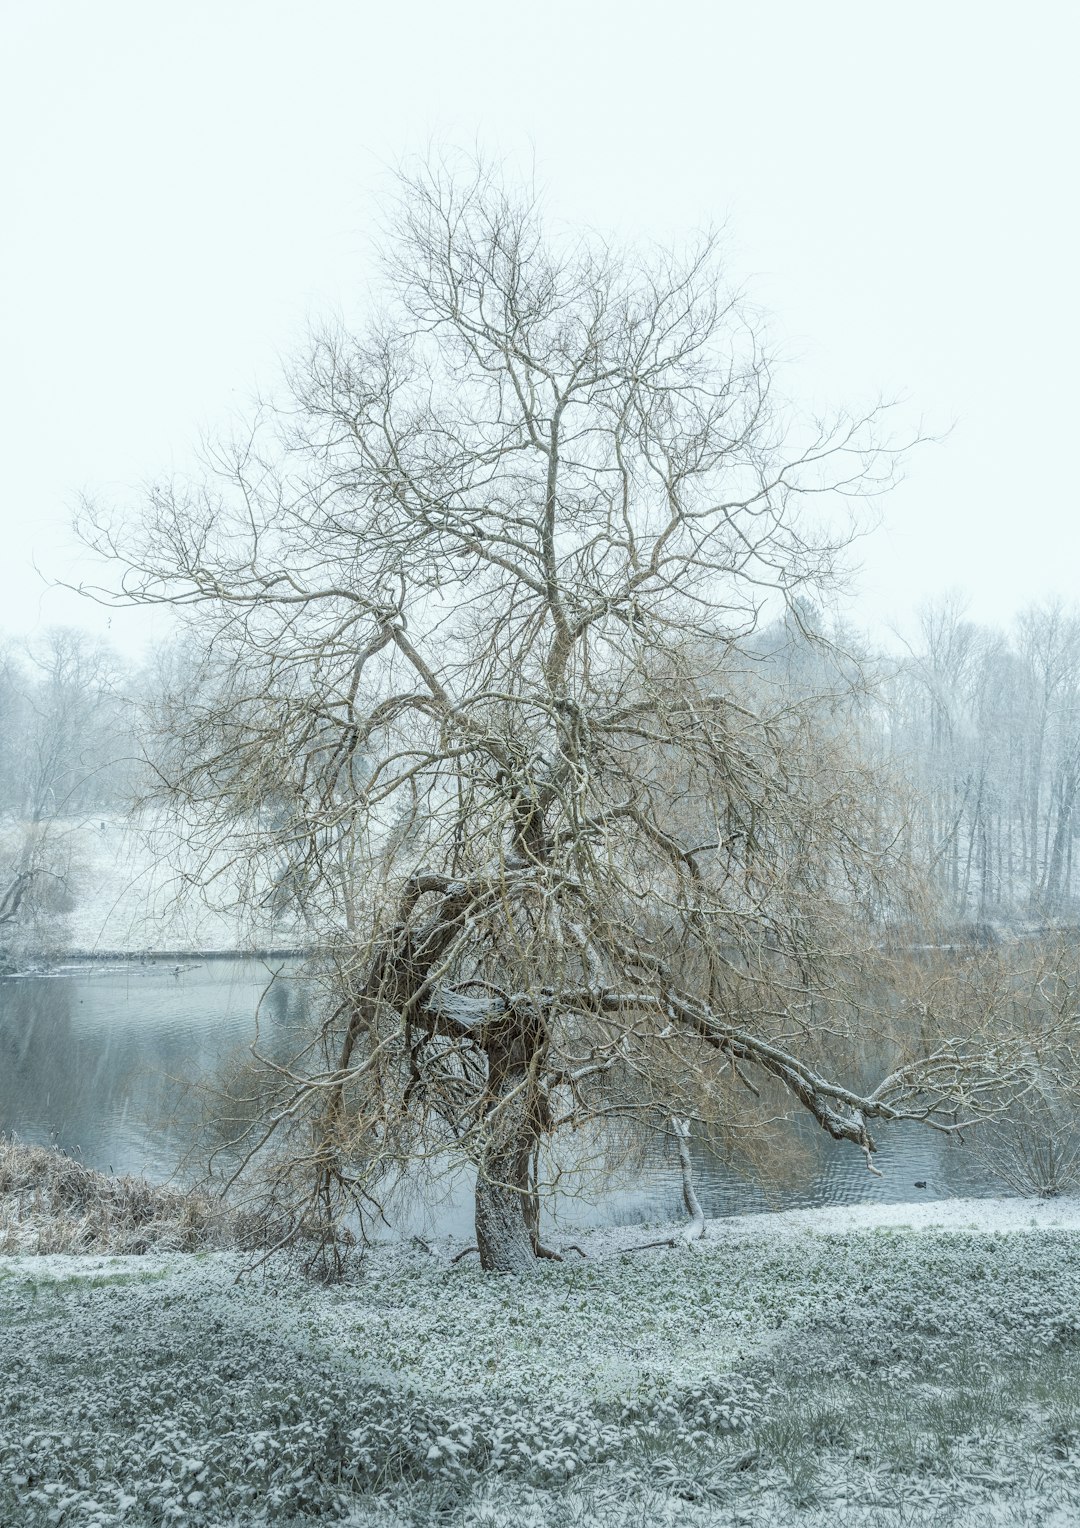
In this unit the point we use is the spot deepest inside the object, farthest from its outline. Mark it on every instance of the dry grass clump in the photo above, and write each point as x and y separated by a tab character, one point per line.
49	1202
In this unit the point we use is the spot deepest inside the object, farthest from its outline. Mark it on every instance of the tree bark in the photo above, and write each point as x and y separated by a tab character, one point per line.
503	1237
507	1211
695	1228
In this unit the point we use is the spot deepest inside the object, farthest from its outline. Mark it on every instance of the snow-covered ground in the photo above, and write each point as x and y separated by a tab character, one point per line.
127	884
890	1364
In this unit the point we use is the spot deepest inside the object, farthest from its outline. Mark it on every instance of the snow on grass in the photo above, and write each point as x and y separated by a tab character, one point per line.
886	1364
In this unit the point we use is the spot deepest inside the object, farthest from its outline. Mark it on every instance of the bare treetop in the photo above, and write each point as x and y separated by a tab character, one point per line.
475	699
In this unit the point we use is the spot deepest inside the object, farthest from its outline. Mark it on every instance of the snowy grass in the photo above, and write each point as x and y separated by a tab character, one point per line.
899	1365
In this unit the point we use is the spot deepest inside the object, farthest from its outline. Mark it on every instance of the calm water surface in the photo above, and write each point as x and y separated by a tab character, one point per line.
95	1060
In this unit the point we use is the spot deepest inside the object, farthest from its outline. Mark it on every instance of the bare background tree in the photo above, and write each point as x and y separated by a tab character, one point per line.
67	751
477	686
986	724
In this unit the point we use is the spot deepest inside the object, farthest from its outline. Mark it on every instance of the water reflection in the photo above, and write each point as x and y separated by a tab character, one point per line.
832	1173
98	1060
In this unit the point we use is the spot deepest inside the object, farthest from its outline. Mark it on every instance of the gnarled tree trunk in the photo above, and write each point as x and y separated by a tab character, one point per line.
507	1209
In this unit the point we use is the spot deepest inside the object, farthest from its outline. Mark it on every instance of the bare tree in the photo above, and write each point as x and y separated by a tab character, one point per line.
64	734
988	723
14	878
473	612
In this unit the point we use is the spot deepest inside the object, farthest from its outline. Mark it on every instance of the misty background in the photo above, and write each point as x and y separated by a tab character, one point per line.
190	192
187	189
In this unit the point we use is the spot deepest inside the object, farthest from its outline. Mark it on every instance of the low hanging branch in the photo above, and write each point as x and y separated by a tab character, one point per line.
696	1227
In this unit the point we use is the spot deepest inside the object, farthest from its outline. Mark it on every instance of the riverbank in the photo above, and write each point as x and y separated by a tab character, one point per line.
41	963
51	1203
890	1364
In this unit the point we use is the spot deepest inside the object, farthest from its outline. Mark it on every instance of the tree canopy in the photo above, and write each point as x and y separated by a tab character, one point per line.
472	690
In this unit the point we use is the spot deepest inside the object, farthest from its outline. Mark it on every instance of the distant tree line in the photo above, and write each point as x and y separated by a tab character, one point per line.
985	724
977	726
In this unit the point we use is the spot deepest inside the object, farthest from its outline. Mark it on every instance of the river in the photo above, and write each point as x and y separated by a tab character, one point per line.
98	1060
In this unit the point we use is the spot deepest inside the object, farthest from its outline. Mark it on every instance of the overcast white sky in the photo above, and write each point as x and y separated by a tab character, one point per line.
184	186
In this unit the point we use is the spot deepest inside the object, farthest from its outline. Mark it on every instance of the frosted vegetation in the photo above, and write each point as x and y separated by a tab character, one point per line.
51	1203
865	1368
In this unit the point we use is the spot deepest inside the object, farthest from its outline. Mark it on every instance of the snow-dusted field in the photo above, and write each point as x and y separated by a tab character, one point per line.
901	1364
129	886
